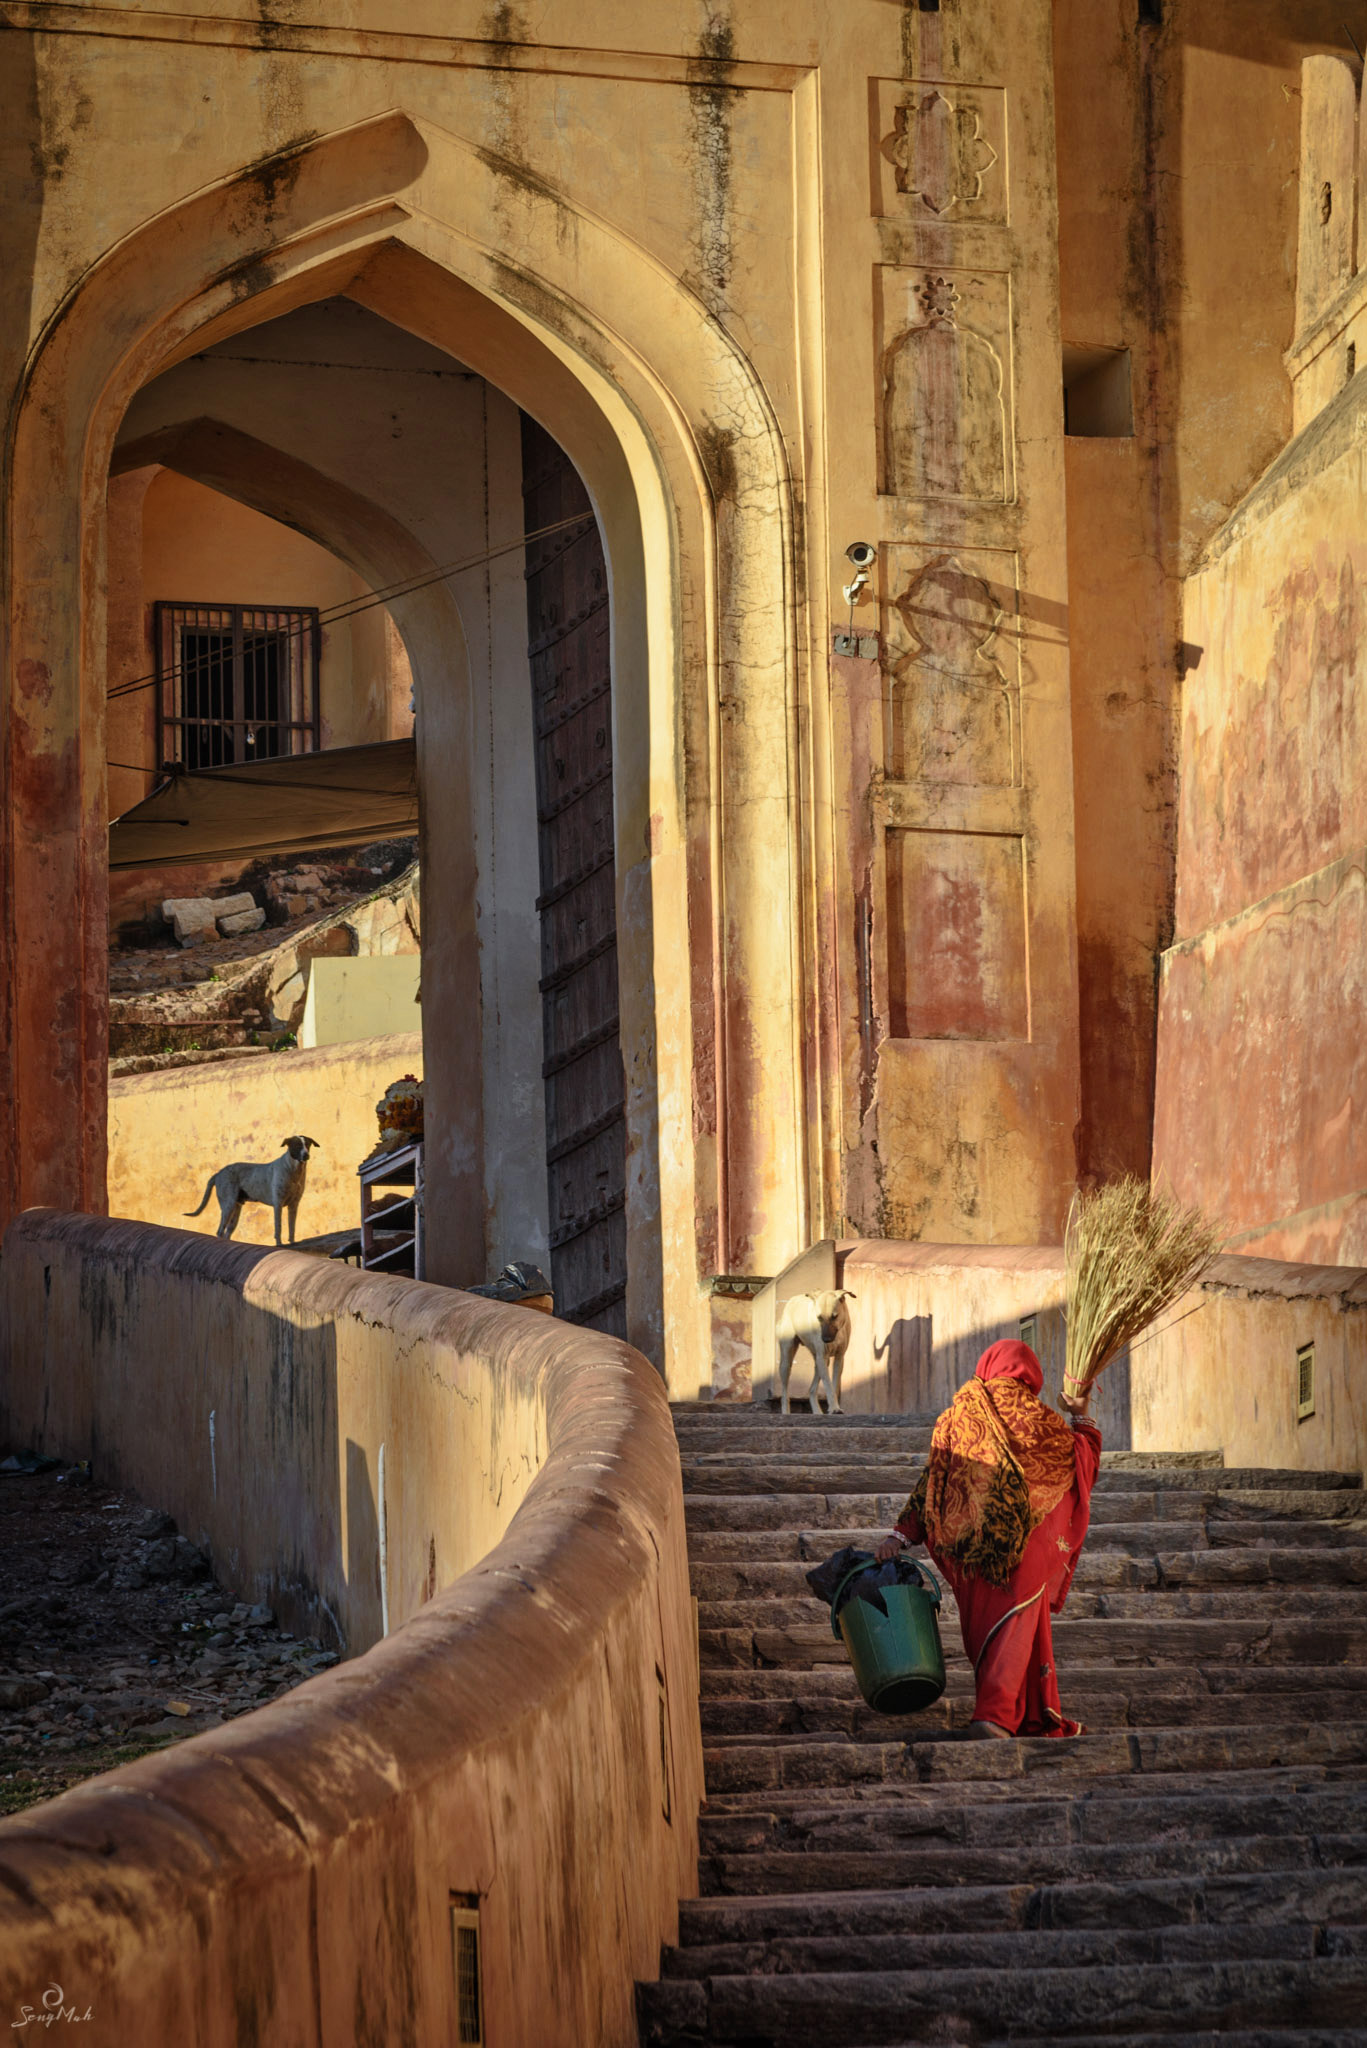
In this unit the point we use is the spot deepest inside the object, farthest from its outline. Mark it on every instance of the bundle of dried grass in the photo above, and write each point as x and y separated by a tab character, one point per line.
1130	1251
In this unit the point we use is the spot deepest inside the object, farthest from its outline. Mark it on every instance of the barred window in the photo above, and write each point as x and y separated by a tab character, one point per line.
236	683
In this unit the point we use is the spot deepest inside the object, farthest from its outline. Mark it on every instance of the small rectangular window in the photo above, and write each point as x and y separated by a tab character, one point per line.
465	1960
1098	402
1029	1329
235	683
1305	1382
1151	13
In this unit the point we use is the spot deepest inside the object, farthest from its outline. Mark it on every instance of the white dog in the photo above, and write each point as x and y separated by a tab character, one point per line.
820	1322
280	1183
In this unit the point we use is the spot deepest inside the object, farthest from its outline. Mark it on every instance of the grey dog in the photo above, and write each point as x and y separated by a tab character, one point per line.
280	1182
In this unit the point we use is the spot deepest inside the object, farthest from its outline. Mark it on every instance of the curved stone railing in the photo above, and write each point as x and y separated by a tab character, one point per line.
525	1744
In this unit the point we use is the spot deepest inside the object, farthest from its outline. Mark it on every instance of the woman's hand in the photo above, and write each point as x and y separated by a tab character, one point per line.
889	1548
1076	1404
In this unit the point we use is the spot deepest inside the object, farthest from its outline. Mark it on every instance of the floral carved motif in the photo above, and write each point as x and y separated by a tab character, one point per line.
939	152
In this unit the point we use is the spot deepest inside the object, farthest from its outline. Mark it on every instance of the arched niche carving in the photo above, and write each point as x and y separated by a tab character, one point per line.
944	416
953	709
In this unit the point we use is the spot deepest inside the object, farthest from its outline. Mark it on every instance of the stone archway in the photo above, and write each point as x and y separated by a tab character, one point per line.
677	445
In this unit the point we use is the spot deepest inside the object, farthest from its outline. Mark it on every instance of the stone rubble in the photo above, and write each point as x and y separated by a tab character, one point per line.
231	971
115	1637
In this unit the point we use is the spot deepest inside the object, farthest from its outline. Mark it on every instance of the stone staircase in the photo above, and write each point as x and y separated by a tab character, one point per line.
1193	1869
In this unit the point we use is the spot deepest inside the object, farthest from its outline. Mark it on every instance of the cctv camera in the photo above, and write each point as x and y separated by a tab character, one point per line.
862	553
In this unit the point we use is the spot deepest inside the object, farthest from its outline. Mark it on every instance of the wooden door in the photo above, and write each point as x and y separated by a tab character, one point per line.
568	651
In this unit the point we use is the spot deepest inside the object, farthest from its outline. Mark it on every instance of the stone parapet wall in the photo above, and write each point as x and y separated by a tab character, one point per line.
527	1737
1219	1372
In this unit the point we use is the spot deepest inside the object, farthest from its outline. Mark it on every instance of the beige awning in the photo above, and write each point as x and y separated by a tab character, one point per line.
299	803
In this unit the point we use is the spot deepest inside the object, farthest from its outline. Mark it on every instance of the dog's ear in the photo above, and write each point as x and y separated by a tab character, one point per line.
849	1296
314	1142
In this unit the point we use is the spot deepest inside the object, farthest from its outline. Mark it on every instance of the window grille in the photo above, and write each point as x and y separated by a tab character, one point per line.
465	1958
1029	1329
236	683
1305	1382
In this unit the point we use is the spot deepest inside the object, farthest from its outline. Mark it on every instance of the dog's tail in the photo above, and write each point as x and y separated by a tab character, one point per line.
204	1204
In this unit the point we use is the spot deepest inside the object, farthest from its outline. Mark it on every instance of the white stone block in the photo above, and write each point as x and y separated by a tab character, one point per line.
241	921
234	906
192	918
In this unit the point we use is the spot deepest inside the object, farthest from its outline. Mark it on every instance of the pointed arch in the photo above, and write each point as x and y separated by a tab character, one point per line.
666	421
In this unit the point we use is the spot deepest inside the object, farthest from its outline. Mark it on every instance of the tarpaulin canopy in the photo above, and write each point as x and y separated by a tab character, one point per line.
296	803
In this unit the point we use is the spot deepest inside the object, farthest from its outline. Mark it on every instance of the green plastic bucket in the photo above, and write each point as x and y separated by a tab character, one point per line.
898	1658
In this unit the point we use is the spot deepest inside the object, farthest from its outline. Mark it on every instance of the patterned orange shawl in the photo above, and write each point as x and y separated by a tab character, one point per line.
999	1462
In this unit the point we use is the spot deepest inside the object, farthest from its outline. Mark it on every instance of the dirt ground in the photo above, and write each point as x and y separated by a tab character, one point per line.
115	1639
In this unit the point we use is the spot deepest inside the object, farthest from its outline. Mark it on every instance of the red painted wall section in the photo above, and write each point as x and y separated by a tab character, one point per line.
1262	1067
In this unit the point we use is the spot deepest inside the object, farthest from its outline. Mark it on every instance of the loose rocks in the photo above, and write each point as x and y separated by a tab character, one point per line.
114	1636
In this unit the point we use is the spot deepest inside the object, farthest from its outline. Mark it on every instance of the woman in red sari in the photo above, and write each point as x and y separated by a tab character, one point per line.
1003	1510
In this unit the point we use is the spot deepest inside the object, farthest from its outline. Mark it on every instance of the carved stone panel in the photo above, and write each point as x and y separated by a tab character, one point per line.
941	151
946	396
957	960
951	661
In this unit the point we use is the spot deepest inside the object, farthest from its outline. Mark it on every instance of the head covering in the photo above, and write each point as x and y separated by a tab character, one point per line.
999	1462
1011	1360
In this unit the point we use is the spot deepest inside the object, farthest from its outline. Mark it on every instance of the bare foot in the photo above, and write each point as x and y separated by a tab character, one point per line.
987	1731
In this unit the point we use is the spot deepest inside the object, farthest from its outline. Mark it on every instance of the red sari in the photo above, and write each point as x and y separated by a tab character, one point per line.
1003	1511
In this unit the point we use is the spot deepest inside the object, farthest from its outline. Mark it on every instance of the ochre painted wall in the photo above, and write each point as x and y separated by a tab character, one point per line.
169	1131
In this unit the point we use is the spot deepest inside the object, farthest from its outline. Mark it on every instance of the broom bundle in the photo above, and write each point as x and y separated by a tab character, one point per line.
1129	1252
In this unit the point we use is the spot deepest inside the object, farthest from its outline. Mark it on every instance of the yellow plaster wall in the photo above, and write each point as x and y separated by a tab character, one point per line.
168	1132
1221	1369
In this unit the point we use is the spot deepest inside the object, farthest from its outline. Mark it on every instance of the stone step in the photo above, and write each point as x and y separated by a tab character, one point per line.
1217	1898
803	1475
749	1415
1239	2037
780	1440
1321	1604
1136	1539
812	1762
1035	1949
839	1511
806	1806
1112	1864
1081	2004
1223	1807
1157	1704
1179	1640
1220	1567
1283	1687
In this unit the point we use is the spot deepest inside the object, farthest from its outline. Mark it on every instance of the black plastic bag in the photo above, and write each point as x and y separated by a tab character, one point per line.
826	1579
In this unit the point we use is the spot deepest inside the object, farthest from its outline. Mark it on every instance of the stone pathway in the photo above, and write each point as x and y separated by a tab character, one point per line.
1193	1869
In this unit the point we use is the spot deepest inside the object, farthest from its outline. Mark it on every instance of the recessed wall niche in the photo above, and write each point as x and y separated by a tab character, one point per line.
947	407
957	956
951	659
